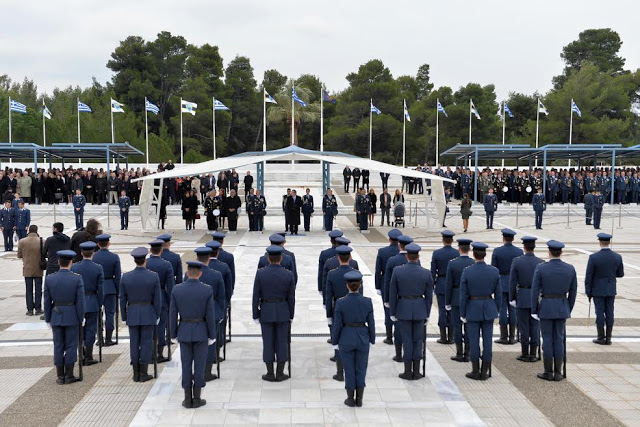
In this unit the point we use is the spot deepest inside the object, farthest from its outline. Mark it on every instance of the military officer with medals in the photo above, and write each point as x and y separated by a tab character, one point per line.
329	209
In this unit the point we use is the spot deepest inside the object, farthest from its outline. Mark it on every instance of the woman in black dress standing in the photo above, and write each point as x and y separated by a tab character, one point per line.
189	209
374	199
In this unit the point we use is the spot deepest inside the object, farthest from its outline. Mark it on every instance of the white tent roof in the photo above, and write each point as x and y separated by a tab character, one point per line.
289	153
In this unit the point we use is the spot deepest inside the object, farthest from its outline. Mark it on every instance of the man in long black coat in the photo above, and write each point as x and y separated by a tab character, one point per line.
293	207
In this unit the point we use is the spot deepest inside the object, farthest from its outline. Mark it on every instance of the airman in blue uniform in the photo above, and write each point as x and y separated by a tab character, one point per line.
23	220
490	203
588	206
124	203
110	263
78	201
392	263
354	332
227	258
195	330
381	264
287	261
64	313
439	263
598	204
479	306
140	305
557	283
539	206
164	270
172	257
329	209
325	255
452	298
214	279
337	288
216	264
520	280
502	258
289	253
273	308
7	224
363	208
93	280
332	263
603	269
410	299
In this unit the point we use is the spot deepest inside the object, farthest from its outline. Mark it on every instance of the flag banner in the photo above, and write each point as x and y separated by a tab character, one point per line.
474	111
45	111
374	109
441	109
499	112
575	109
328	98
219	106
507	110
84	108
294	94
542	109
116	107
188	107
406	112
268	98
152	108
17	107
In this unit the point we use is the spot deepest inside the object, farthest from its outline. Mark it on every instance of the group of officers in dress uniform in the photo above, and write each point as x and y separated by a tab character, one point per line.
161	306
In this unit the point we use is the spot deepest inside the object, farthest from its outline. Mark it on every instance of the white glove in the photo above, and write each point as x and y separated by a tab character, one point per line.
158	321
329	321
210	341
463	319
378	291
256	321
48	325
386	304
174	340
371	345
513	303
394	318
535	316
447	307
335	347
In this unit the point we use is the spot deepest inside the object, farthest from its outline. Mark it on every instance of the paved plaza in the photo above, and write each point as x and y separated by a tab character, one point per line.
602	386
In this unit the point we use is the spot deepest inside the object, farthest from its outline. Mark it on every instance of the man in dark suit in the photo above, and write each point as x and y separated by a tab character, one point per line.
293	207
385	206
307	209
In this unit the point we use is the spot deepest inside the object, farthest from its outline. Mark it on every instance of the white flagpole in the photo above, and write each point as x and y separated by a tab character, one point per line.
404	126
371	128
9	120
470	113
146	130
437	133
264	119
113	133
571	127
537	126
214	127
78	108
44	127
181	138
504	126
293	115
321	120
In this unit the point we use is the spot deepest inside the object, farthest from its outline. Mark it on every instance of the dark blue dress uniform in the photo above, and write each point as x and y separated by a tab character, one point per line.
410	299
329	210
78	203
325	255
603	268
439	263
23	220
598	204
64	311
110	263
556	282
479	306
539	206
452	301
195	330
381	264
520	280
140	305
7	222
173	258
93	280
354	331
502	258
490	203
333	263
215	263
307	210
273	307
287	252
164	270
363	208
124	203
288	260
226	257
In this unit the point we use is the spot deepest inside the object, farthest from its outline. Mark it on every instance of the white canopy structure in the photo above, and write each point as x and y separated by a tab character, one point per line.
149	198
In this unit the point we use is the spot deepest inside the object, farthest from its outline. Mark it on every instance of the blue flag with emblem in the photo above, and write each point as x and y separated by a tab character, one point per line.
328	98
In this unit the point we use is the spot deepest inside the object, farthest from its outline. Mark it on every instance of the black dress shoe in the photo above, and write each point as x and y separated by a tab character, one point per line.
29	313
39	312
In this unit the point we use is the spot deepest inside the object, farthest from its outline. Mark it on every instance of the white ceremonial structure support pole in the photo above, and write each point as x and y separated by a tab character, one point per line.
181	138
321	121
264	120
371	130
504	128
435	163
214	127
537	128
571	128
146	130
404	136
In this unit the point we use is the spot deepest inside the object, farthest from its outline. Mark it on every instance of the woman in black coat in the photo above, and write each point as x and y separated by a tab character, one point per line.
374	200
189	206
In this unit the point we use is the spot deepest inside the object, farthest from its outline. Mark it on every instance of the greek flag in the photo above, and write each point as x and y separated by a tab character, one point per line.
474	111
441	109
542	109
507	110
575	109
219	106
83	108
188	107
17	107
152	108
116	107
295	97
406	111
268	98
45	111
374	109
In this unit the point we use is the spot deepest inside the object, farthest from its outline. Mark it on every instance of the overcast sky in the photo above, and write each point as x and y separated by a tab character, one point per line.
514	44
